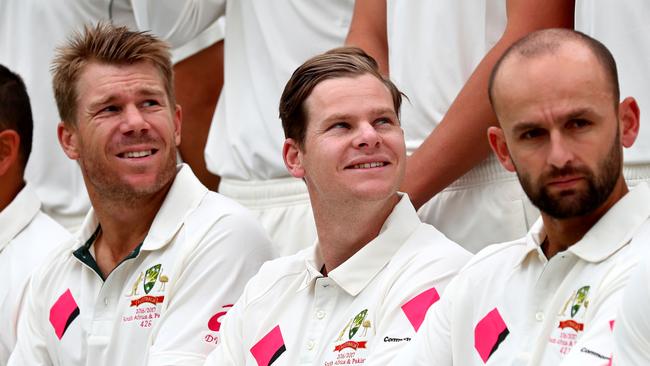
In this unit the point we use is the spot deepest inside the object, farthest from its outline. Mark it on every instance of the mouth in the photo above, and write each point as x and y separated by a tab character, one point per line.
565	182
374	164
137	154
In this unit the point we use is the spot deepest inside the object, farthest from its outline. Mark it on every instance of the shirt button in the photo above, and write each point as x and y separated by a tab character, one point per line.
106	301
320	314
310	345
539	316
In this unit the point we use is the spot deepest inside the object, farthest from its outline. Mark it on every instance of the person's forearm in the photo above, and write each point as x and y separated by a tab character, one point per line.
368	31
198	83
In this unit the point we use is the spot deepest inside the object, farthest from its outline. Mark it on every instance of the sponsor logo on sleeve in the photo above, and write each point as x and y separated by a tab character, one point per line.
489	333
214	325
268	349
416	308
64	311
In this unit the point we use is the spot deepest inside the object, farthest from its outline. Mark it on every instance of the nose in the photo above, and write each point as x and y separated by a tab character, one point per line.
133	121
560	153
367	136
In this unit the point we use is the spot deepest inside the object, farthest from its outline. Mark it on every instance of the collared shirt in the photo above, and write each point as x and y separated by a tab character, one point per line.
27	236
162	305
367	308
512	306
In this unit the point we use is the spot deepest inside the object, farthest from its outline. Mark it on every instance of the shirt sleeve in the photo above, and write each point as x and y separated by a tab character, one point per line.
632	327
230	351
409	299
31	346
432	344
175	21
211	281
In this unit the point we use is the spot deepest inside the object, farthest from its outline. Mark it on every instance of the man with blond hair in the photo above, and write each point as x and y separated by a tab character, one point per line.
361	292
159	258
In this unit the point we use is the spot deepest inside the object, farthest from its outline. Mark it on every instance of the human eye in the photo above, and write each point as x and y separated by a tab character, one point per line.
577	123
150	103
339	125
384	121
532	133
108	109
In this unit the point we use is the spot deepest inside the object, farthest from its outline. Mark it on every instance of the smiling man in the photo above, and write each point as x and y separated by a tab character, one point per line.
551	297
159	259
361	292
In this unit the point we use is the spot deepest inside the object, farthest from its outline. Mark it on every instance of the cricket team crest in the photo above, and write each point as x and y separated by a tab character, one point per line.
576	305
351	342
145	294
571	320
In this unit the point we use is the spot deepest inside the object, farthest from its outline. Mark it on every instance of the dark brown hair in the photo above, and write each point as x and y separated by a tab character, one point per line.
336	63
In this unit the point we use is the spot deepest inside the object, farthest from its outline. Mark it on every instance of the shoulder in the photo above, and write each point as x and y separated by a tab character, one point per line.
55	265
280	272
44	233
428	246
220	219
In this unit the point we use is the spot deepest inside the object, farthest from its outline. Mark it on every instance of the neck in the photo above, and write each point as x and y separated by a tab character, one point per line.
346	227
563	233
124	226
10	185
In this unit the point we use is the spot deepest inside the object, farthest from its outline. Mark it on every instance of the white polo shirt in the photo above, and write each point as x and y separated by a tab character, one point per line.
162	305
368	307
632	327
512	306
27	236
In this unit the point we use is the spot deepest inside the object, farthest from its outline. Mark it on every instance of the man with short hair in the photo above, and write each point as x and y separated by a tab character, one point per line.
362	291
27	235
552	296
159	258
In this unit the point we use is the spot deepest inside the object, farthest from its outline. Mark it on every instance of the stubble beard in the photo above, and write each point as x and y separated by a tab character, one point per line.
111	188
576	203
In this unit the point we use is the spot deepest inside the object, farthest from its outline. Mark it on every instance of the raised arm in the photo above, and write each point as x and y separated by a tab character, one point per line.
461	135
198	82
368	30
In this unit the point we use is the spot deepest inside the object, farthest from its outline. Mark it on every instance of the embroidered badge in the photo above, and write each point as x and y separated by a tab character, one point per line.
64	311
269	348
145	310
489	333
416	308
570	321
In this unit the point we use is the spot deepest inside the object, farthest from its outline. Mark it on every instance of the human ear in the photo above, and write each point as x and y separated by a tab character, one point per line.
9	146
500	148
629	117
69	140
292	156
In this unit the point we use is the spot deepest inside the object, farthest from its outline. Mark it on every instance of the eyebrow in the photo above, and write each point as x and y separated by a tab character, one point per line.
376	111
571	114
143	92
